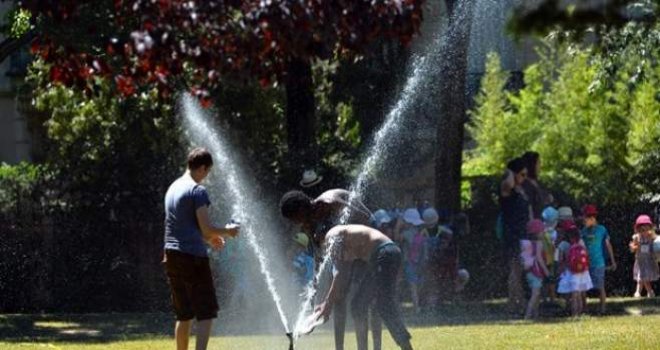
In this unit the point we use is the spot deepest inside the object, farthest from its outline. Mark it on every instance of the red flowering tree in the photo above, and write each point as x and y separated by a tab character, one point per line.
171	45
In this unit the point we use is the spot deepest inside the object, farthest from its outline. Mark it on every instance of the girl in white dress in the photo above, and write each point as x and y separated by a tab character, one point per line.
574	279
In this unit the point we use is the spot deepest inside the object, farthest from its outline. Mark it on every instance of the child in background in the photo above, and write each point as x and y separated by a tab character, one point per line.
303	262
597	241
550	217
574	277
430	293
565	213
382	221
645	270
533	259
414	242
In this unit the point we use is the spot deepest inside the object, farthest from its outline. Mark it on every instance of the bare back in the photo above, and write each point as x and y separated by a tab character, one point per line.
356	242
331	203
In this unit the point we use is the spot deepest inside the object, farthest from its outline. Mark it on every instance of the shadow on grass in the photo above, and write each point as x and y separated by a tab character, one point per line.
84	328
100	328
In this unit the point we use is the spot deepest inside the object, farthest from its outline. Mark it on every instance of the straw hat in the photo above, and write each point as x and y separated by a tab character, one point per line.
310	178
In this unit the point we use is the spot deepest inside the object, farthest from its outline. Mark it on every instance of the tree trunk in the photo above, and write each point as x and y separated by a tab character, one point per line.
10	45
301	126
450	129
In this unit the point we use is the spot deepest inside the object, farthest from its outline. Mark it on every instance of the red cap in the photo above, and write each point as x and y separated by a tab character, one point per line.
567	225
589	210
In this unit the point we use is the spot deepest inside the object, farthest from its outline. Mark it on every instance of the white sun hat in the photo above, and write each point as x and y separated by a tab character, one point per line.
411	216
381	217
430	216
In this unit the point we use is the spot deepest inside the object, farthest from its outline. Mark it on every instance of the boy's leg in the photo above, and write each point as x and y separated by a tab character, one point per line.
203	332
339	318
339	322
360	311
376	328
388	262
182	334
414	293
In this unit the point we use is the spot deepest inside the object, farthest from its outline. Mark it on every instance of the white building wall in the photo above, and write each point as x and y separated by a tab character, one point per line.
14	136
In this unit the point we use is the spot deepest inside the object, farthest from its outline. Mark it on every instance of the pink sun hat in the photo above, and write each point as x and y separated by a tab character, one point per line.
643	220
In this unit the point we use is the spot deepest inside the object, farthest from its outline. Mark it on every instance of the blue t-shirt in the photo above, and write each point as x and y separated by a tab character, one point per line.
182	232
303	264
594	238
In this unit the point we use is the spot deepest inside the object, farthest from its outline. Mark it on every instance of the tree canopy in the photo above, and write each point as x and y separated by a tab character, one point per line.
169	44
593	117
581	16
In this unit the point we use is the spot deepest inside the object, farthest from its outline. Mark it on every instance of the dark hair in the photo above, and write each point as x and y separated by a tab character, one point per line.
199	157
516	165
531	159
294	202
444	216
573	235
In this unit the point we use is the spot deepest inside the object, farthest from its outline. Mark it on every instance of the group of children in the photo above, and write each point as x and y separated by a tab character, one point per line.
428	240
571	261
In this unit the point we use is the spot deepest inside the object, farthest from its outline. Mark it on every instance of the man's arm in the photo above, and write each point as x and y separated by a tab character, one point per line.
208	230
340	280
333	240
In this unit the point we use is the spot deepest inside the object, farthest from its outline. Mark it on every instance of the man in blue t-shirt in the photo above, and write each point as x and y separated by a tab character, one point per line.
188	231
595	237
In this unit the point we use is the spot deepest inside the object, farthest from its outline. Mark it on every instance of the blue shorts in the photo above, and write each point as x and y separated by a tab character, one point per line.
410	270
533	281
597	277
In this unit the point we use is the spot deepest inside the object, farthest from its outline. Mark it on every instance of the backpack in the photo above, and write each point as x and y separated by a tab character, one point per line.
578	259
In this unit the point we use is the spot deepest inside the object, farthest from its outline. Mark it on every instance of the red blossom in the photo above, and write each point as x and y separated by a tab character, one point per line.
152	40
125	85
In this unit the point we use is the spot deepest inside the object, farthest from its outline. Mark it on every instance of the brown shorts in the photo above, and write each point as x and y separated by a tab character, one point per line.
191	283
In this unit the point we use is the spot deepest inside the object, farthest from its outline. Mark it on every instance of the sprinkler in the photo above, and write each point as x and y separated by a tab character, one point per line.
290	336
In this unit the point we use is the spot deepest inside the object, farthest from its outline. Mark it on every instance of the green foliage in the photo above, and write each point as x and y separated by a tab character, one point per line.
19	22
593	115
89	128
16	184
582	16
497	122
338	132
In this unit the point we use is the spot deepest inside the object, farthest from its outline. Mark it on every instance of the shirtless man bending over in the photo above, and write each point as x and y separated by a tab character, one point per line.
349	243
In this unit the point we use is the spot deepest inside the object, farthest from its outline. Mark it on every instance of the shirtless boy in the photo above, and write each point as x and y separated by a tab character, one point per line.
316	217
348	243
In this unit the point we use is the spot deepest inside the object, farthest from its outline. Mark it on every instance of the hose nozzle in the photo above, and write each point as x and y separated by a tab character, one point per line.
290	336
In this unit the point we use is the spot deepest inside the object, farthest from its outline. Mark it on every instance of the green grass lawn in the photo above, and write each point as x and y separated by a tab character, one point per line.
630	324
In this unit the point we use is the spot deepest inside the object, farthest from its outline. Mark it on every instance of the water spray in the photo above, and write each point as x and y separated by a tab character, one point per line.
244	201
